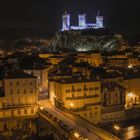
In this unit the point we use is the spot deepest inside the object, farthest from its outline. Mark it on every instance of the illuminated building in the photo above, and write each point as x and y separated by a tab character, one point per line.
132	83
93	58
113	102
66	21
80	95
20	95
42	76
99	20
82	22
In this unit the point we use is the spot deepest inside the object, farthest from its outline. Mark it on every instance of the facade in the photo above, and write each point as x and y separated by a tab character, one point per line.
42	76
113	102
82	22
81	96
20	95
94	59
132	83
66	21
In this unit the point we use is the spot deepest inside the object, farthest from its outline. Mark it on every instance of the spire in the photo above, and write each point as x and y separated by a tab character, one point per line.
99	13
65	12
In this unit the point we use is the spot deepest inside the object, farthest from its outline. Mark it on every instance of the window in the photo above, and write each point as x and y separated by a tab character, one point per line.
96	88
78	90
31	83
72	95
31	91
12	112
25	111
3	113
96	113
3	104
73	90
72	87
32	111
17	83
67	90
25	91
11	83
18	91
11	91
85	89
90	89
19	112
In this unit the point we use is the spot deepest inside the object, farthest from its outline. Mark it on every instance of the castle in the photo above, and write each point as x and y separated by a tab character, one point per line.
82	22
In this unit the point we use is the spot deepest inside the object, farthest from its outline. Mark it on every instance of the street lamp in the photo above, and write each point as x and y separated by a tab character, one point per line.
41	108
76	135
130	66
117	128
71	105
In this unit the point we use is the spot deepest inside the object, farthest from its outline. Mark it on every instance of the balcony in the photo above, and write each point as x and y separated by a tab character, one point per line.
82	97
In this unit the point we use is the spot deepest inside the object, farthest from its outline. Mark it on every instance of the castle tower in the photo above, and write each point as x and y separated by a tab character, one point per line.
99	20
65	22
82	20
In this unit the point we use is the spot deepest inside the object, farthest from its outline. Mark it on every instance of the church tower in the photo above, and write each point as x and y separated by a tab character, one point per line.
82	20
65	22
99	20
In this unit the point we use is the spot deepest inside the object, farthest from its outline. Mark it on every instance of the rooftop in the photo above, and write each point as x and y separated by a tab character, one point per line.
17	75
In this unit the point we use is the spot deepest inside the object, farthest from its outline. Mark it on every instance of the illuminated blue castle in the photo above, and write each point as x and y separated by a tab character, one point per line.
82	22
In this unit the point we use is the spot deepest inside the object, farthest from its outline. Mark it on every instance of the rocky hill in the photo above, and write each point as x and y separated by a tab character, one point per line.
86	40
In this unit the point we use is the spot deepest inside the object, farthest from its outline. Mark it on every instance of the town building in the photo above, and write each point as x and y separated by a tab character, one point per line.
41	73
80	95
113	102
93	58
19	95
66	24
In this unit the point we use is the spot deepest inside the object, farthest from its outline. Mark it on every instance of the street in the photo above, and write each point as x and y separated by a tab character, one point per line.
83	127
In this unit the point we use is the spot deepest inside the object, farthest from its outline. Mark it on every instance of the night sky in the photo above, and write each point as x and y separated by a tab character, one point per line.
123	16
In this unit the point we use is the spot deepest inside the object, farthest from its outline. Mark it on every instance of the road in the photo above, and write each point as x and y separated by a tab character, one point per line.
84	128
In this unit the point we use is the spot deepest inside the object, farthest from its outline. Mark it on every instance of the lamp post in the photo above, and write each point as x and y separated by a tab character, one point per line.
71	105
116	128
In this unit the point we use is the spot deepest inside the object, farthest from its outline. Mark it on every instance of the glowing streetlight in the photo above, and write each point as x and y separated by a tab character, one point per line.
41	108
117	128
130	66
76	135
71	104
